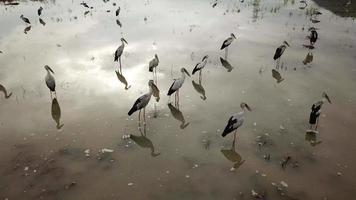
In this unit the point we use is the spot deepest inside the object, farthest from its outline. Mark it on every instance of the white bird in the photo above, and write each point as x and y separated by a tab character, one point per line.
50	81
142	102
228	41
236	121
119	51
199	67
177	84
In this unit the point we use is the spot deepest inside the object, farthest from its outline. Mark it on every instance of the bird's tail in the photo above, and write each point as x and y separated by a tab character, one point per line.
116	58
226	131
150	69
132	110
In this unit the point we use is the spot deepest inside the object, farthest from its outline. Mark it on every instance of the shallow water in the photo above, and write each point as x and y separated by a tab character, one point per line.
183	155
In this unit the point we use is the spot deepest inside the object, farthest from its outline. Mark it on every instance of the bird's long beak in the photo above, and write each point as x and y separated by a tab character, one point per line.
285	42
186	72
248	107
326	97
125	40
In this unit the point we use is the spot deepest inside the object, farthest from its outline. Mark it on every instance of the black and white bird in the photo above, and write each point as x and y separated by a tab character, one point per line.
177	84
280	50
228	41
141	103
50	81
26	20
39	11
236	121
313	36
119	51
117	12
200	66
153	64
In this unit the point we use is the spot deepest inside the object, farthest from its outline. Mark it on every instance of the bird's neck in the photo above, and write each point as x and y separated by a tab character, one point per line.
183	76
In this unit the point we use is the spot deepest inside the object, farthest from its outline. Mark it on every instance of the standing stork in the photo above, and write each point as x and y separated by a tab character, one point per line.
176	85
279	52
153	66
141	103
26	20
119	51
313	36
315	112
235	121
200	66
50	81
227	43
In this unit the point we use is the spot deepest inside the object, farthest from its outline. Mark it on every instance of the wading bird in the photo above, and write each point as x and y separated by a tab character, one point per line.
50	81
119	51
177	84
235	121
313	36
3	89
227	43
200	66
141	103
279	52
26	20
315	112
152	66
39	11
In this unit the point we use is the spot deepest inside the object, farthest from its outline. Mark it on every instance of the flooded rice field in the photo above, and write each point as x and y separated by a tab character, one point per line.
70	71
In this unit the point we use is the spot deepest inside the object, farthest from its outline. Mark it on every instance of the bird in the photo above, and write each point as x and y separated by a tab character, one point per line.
277	76
226	64
141	103
153	66
280	50
236	121
177	84
27	29
228	41
56	113
50	81
3	89
313	36
119	51
39	11
315	111
26	20
117	11
200	66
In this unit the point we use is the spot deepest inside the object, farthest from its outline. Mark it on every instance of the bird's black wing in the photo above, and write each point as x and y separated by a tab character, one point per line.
134	107
278	53
229	125
195	68
224	44
116	58
171	91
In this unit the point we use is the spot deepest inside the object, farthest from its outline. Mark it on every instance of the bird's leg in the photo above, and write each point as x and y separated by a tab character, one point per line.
226	49
55	94
156	74
200	72
120	64
317	123
144	116
178	99
234	141
139	119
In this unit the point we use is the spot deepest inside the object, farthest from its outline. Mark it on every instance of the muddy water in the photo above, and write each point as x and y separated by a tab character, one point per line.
50	149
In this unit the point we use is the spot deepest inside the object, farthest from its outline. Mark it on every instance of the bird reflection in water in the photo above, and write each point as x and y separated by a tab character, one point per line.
3	89
308	58
311	137
233	156
56	113
155	93
276	75
200	89
226	64
177	114
122	79
144	142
